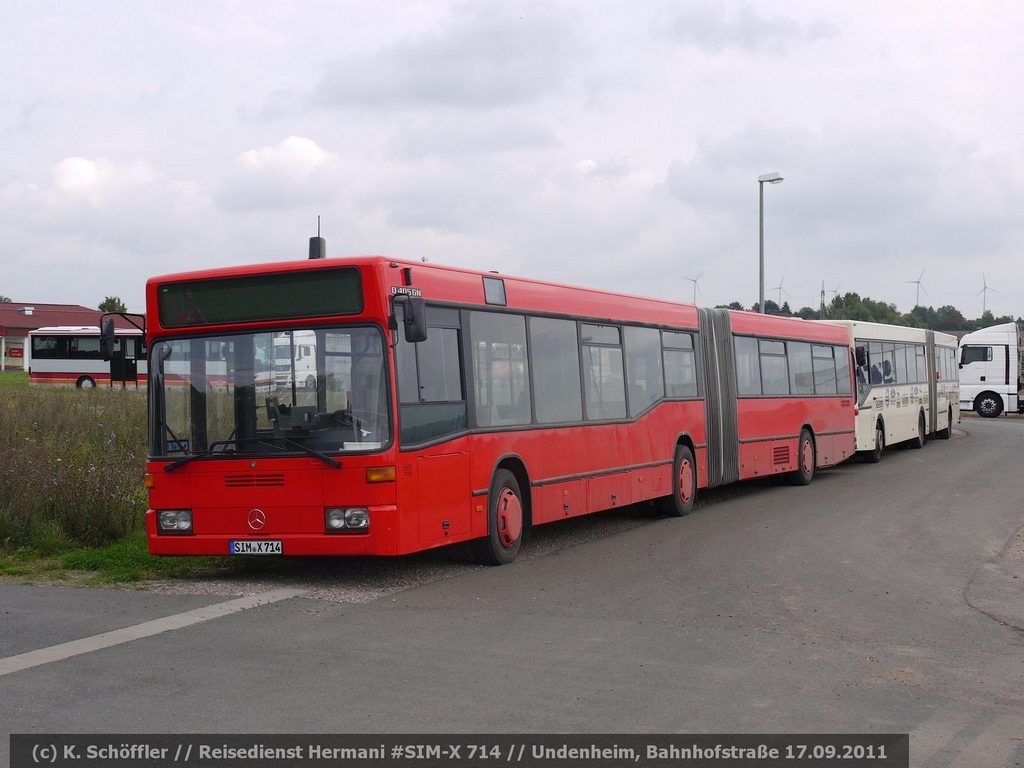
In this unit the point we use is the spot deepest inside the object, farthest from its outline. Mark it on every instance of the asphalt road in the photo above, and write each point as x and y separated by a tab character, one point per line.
881	598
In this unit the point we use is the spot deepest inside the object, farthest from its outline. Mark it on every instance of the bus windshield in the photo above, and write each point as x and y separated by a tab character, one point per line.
321	391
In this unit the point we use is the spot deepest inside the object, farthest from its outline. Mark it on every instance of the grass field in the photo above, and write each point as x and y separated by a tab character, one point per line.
72	500
13	379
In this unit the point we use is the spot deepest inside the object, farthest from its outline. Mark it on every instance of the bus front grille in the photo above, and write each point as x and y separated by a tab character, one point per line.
254	481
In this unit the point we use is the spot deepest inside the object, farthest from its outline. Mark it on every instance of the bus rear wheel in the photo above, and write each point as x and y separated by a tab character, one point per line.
684	485
943	434
921	437
805	460
85	382
988	404
505	520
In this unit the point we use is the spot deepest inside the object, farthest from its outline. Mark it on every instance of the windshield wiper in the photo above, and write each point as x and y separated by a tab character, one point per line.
212	450
312	452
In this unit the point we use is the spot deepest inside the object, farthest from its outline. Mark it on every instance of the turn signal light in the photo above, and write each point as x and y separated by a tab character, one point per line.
380	475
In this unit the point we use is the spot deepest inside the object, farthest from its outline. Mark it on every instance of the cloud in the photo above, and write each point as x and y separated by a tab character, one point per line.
294	172
472	135
96	227
124	205
486	56
871	204
710	28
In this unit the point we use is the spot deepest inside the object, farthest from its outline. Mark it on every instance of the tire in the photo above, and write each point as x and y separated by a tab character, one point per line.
806	460
988	404
310	383
505	521
943	434
875	454
922	435
85	382
684	485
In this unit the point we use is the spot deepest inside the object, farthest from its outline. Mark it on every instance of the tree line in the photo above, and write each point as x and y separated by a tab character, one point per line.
109	304
850	306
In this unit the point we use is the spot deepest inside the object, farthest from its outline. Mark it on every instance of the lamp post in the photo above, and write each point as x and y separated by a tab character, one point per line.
771	178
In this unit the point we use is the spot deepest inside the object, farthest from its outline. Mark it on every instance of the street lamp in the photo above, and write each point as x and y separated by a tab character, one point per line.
771	178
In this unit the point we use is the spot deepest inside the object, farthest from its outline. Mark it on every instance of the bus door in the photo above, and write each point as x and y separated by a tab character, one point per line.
932	364
124	365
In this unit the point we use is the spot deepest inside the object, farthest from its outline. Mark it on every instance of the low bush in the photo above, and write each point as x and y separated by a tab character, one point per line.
71	467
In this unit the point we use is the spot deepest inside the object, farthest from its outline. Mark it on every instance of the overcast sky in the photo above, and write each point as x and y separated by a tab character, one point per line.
608	144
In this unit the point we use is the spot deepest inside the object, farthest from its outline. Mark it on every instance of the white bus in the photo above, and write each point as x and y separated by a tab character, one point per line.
992	370
907	385
69	355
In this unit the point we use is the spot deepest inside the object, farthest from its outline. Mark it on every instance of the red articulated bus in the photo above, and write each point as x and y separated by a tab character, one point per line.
425	405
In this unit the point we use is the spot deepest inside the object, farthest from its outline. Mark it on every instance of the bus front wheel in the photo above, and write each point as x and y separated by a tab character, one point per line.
805	460
875	454
988	404
85	382
684	485
504	521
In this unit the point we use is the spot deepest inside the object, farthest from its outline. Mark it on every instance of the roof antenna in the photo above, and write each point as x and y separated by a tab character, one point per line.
317	245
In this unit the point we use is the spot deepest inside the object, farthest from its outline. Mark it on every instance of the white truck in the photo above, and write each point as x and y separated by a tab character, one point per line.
992	370
295	356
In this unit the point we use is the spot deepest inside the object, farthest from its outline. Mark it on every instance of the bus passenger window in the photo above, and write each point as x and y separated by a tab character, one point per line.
824	370
842	356
501	377
748	370
643	368
801	372
606	395
555	352
774	371
679	364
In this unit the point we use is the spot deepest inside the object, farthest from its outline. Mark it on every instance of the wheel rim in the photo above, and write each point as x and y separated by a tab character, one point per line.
87	384
807	457
510	517
879	440
685	481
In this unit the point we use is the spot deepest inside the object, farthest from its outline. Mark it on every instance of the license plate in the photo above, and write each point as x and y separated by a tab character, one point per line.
256	547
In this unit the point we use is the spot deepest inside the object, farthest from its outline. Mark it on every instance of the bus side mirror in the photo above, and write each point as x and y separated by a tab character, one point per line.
414	317
107	340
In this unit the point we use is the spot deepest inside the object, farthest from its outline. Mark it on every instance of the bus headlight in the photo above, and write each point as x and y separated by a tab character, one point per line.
347	519
174	520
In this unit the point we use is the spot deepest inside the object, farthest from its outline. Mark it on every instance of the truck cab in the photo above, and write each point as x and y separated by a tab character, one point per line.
992	370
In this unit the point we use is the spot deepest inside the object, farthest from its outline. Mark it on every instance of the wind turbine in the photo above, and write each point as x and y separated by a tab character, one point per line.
984	291
781	290
917	302
835	291
694	281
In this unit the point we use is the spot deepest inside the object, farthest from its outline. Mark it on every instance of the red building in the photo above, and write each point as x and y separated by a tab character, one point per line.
16	320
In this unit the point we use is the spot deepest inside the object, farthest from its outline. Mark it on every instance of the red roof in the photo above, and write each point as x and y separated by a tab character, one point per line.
15	320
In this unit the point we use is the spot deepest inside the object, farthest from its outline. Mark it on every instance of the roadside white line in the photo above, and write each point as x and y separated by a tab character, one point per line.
139	631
